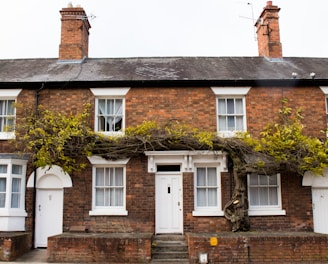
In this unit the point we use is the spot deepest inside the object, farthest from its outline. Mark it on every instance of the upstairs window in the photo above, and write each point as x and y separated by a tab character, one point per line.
8	112
264	194
7	115
110	110
110	115
231	117
231	110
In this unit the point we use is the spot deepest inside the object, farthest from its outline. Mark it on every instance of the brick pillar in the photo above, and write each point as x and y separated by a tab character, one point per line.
268	33
75	27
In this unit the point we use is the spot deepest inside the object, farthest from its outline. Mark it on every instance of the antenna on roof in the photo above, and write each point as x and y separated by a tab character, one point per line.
251	18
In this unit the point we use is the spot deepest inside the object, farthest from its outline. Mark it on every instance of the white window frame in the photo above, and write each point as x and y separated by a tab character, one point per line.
9	94
99	162
230	93
208	210
13	219
266	209
109	93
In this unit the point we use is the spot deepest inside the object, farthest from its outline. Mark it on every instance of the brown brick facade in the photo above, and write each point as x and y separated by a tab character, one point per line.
196	106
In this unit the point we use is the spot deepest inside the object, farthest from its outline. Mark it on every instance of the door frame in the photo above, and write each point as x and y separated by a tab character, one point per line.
178	200
48	178
317	182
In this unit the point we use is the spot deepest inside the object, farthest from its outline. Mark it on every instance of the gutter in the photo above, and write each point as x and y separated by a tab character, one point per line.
169	83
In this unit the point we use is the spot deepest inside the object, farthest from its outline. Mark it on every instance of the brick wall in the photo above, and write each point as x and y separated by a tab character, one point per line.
140	202
100	248
14	245
260	247
196	106
263	103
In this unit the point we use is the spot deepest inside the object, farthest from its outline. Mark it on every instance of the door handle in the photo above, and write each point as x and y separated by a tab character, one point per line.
178	203
39	207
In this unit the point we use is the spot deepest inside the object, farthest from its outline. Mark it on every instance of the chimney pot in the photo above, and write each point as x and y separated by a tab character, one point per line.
269	3
70	5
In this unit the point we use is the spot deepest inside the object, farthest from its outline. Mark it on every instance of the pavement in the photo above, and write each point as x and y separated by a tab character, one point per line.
33	256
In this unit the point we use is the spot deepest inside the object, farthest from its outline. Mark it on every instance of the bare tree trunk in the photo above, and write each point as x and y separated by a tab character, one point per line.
236	210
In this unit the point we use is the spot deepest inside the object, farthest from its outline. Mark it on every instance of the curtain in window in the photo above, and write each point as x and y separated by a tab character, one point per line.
17	169
201	182
15	193
231	113
206	187
109	187
7	115
110	114
3	182
117	183
263	190
212	182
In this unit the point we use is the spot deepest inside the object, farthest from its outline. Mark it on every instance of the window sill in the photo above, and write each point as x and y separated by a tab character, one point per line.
208	213
12	213
229	134
111	133
108	212
7	135
266	212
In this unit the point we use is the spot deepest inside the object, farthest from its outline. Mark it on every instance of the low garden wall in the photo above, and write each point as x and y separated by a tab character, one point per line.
14	245
100	247
259	247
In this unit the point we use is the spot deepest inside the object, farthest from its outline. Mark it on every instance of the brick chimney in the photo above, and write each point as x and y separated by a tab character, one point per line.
75	27
268	33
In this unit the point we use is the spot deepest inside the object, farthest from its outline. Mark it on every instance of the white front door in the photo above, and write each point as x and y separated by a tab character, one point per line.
320	210
169	212
49	215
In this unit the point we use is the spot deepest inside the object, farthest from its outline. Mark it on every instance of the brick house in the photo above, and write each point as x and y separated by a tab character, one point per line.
79	219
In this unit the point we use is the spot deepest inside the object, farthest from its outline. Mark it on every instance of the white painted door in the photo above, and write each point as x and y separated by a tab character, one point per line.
169	212
49	215
320	210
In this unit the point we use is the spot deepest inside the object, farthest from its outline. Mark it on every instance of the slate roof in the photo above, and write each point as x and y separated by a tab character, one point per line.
104	71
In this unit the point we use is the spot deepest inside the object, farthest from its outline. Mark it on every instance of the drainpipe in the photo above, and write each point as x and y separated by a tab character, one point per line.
37	94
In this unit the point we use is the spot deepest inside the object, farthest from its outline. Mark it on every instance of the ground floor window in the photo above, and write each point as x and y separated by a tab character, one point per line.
12	194
207	186
264	194
108	187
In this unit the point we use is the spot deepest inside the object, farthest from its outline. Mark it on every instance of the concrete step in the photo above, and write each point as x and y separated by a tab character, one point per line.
170	249
161	261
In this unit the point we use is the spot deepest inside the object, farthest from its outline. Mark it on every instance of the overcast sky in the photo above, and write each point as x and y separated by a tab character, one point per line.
143	28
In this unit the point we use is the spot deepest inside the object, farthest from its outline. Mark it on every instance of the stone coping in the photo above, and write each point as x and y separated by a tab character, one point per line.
102	235
258	234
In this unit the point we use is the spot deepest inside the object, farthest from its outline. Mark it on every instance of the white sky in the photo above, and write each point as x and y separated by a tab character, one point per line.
143	28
